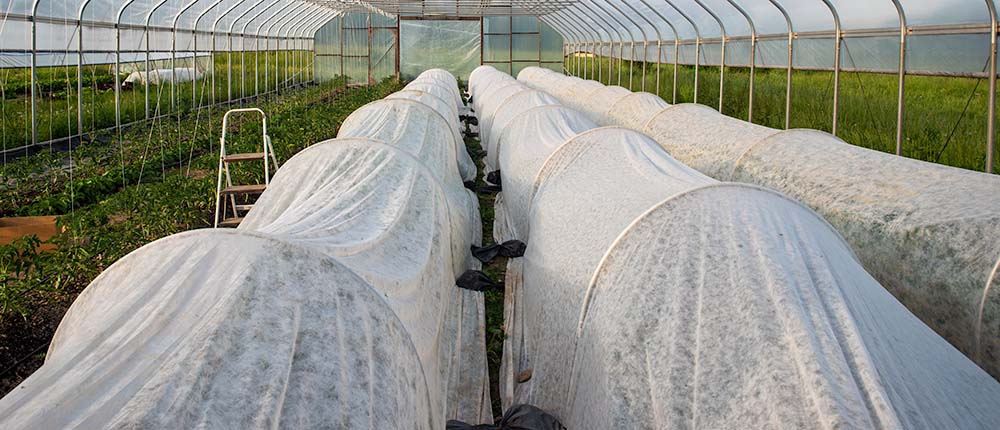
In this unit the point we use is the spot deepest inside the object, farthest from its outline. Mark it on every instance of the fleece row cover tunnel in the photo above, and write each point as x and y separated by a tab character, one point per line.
927	232
332	305
652	295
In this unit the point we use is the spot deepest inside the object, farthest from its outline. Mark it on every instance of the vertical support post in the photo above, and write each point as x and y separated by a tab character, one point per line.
149	75
34	72
79	69
371	76
396	41
539	22
902	75
510	44
836	60
342	45
991	112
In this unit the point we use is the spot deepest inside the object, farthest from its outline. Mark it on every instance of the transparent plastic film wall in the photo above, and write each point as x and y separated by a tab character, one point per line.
406	45
71	69
908	77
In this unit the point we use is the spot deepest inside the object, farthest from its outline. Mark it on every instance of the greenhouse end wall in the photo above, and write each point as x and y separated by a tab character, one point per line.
345	46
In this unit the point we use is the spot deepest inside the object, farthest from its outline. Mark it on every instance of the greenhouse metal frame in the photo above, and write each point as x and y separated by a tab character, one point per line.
661	29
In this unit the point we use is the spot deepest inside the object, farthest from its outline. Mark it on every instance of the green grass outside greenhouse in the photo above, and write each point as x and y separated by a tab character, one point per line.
254	73
945	117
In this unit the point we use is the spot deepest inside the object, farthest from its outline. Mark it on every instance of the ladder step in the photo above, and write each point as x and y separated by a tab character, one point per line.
249	156
244	207
231	222
244	189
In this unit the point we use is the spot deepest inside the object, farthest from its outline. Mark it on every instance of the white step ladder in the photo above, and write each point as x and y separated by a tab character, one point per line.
230	191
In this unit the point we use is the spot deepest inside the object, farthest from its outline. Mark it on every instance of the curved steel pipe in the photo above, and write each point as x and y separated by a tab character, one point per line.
722	62
256	46
34	72
902	75
788	81
753	56
229	54
197	22
621	44
609	29
659	52
79	68
149	16
173	52
243	54
267	41
118	54
697	46
645	46
576	39
645	37
836	60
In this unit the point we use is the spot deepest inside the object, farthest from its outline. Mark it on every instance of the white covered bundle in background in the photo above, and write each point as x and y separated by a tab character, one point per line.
486	79
163	76
438	85
634	110
928	233
510	110
332	305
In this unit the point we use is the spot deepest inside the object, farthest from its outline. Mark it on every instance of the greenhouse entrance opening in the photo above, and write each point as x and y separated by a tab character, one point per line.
452	45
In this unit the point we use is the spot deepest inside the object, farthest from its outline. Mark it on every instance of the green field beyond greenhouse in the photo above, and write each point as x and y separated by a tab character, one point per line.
236	76
945	116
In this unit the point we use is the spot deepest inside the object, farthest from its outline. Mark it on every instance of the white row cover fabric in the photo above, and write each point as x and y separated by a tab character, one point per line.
163	76
225	329
928	233
332	305
441	85
652	296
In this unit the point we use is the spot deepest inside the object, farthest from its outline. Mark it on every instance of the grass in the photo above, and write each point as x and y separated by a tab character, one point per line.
945	117
38	287
251	74
495	269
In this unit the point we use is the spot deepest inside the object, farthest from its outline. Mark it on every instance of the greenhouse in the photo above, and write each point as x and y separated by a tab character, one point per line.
568	214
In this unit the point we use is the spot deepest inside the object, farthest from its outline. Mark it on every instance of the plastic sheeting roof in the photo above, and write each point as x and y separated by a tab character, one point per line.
652	296
332	305
641	18
959	28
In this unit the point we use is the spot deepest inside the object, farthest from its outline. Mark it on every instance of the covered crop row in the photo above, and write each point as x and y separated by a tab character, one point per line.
333	304
927	232
652	295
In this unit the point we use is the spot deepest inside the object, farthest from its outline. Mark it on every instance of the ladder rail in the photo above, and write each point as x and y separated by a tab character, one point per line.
224	163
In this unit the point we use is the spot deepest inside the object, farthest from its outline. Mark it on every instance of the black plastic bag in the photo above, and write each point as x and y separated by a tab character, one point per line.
509	249
518	417
477	281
